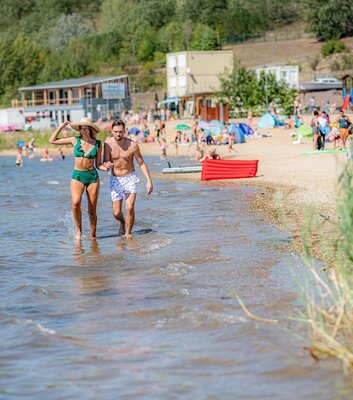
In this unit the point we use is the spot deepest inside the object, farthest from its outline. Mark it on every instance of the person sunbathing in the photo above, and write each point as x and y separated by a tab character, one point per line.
212	155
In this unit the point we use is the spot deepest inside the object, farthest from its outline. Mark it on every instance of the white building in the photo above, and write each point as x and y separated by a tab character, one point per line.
191	72
288	73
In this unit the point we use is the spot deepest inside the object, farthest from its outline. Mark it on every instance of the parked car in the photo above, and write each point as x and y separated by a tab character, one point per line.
327	79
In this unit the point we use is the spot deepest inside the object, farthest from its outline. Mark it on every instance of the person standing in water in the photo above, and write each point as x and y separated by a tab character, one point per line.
87	152
119	154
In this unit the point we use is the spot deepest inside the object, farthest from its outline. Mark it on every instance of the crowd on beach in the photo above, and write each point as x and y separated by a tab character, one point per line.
324	128
338	132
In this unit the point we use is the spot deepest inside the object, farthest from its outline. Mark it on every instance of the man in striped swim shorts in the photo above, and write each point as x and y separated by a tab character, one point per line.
119	155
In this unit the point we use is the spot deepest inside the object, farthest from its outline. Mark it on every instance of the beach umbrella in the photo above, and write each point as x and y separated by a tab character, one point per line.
182	127
134	130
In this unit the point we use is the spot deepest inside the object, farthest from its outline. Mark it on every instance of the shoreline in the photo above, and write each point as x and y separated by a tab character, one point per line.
304	182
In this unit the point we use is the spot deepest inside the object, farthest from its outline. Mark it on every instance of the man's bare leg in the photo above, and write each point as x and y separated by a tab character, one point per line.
130	213
118	214
77	189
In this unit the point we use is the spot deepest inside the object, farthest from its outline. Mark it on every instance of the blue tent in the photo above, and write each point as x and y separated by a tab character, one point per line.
232	129
278	122
266	121
247	129
238	134
134	130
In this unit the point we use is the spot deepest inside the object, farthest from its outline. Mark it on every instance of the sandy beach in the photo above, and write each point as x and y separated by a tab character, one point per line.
290	181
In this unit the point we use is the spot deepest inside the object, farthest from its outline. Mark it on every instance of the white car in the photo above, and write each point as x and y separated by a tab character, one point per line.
327	79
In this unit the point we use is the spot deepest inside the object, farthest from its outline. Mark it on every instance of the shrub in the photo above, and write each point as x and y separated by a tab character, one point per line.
347	61
315	62
332	47
335	66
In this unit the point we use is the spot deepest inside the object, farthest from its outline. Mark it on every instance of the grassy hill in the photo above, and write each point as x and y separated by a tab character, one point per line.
299	51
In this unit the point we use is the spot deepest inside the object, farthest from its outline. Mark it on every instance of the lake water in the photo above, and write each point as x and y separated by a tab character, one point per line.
154	317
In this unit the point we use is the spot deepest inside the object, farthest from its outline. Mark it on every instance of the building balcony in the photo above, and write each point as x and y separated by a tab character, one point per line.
44	102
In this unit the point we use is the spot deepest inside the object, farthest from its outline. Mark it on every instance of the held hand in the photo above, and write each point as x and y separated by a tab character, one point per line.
149	187
66	123
108	165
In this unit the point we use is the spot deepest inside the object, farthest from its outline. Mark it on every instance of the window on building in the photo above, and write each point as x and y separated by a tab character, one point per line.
182	81
182	60
171	61
172	83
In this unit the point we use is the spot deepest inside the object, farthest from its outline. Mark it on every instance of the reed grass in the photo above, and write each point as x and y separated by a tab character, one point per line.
326	290
327	295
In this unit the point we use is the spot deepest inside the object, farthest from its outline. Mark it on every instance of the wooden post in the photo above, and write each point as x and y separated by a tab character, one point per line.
70	96
45	97
33	99
57	97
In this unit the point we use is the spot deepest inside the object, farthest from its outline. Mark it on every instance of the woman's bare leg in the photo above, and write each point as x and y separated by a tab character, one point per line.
77	189
92	198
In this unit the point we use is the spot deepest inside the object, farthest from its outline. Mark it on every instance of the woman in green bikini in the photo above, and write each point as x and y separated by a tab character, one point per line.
87	152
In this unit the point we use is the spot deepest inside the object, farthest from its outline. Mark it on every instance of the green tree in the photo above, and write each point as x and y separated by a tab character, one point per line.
104	50
331	19
68	28
241	86
21	63
172	37
204	38
75	60
156	13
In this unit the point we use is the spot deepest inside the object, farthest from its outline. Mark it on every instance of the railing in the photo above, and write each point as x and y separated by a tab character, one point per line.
49	102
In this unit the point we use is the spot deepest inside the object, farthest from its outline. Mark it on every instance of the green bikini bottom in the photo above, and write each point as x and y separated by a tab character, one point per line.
85	177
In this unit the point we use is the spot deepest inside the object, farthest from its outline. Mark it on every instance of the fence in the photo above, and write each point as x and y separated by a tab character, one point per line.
292	32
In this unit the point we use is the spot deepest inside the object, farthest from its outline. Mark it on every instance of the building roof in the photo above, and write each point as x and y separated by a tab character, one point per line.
66	83
201	52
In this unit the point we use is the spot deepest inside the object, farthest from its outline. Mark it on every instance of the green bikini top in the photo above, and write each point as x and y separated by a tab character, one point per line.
78	150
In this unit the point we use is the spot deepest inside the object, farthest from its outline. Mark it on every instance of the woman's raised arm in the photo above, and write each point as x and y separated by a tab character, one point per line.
54	137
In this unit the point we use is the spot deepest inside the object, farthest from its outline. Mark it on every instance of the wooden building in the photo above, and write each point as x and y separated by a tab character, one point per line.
73	99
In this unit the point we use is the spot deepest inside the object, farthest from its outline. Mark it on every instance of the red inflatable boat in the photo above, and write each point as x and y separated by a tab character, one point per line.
228	169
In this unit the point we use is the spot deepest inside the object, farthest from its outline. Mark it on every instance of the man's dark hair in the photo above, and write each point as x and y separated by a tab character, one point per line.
118	122
316	112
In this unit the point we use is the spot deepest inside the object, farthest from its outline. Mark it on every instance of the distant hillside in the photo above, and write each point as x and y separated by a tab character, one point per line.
302	52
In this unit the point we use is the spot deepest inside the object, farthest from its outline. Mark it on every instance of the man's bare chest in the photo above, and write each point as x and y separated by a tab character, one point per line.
121	154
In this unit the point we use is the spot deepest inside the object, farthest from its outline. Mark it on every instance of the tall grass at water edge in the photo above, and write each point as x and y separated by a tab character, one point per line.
328	295
8	140
326	292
